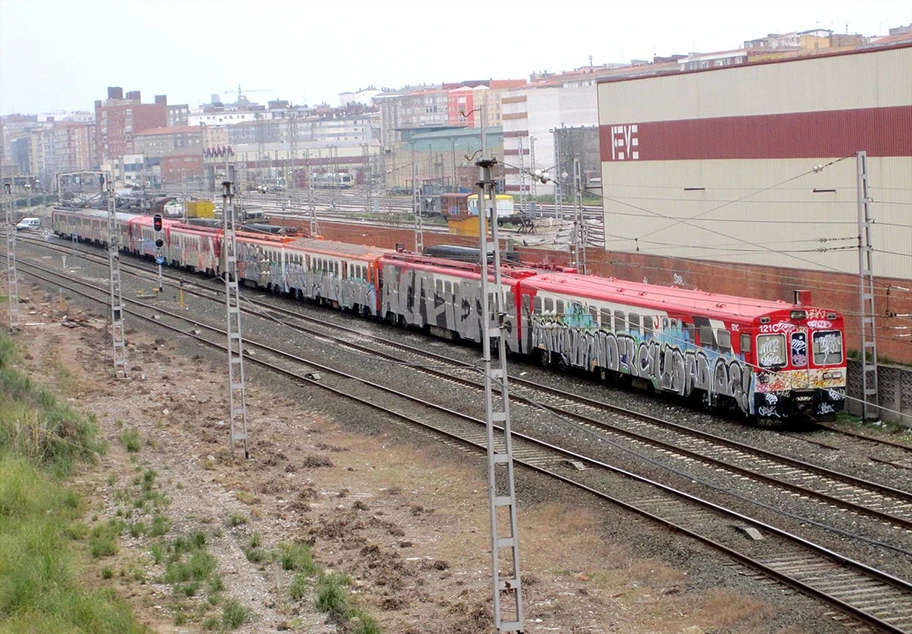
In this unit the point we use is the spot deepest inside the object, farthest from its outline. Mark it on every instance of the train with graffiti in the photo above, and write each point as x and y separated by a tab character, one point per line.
763	359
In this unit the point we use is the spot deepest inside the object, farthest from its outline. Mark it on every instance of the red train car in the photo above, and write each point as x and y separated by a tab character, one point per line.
767	359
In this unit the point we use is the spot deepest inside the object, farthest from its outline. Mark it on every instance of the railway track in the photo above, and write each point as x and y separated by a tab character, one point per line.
876	598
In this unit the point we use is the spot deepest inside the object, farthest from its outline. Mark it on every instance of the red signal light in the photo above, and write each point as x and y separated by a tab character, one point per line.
157	222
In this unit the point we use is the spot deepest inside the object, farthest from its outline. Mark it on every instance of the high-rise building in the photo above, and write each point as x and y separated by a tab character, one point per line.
118	118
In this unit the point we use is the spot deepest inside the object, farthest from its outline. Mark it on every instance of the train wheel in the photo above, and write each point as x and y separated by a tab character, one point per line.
562	364
544	358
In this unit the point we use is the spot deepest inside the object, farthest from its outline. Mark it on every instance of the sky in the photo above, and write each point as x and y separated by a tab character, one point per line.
62	55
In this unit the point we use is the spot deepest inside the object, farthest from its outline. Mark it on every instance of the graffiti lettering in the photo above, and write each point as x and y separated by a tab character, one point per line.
819	324
782	326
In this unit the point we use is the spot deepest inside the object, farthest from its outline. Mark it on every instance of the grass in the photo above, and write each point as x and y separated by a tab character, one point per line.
131	441
331	589
41	441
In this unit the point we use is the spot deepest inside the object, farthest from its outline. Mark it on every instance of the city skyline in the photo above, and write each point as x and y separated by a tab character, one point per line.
315	50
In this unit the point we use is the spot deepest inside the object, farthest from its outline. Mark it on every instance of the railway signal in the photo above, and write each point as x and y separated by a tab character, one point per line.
157	223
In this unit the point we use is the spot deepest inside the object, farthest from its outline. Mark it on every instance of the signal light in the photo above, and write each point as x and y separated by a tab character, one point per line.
157	222
159	243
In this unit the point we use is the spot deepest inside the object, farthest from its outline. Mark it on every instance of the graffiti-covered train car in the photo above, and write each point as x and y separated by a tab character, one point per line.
766	359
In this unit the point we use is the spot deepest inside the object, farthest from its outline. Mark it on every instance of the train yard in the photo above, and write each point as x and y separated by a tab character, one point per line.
830	518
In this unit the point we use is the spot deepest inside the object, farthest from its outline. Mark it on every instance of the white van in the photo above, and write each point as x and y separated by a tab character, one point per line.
29	224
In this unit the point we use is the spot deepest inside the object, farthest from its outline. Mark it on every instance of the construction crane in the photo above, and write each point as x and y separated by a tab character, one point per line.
241	93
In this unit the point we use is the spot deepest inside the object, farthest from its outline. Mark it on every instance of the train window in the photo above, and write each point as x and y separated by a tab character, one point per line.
526	303
647	327
724	338
559	308
448	287
771	351
511	302
707	340
745	344
606	318
537	305
438	286
593	313
620	321
549	305
827	347
634	323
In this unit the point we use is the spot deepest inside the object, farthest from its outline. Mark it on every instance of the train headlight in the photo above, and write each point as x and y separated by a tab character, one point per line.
833	374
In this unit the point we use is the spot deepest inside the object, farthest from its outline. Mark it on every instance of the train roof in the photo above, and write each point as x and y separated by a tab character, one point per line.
665	298
121	216
329	247
456	267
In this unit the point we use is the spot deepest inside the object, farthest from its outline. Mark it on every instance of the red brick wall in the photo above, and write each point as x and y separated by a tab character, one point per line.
828	290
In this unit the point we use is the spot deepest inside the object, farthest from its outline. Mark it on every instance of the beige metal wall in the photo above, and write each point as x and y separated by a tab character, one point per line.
763	212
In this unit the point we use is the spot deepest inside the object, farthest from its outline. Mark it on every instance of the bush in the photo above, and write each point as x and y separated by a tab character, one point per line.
234	614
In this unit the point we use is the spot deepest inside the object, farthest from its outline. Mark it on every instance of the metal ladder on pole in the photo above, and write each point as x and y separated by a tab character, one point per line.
117	307
870	403
501	481
416	207
11	276
237	395
579	226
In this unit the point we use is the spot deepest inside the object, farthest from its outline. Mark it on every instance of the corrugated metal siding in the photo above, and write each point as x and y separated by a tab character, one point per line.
764	210
878	78
686	209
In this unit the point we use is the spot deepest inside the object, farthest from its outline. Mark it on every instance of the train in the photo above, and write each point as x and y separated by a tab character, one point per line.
758	358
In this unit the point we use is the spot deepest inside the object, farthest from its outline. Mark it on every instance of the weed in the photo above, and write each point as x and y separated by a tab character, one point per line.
157	550
254	541
296	556
332	595
106	572
254	555
130	440
137	529
234	614
160	526
180	618
236	519
211	623
298	587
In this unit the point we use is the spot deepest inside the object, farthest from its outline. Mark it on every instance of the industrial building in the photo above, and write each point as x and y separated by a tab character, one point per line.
753	168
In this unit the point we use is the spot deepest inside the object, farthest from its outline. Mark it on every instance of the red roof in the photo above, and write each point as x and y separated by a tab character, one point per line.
665	298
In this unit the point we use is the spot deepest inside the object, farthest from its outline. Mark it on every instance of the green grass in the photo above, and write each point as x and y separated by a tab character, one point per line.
296	556
41	441
131	441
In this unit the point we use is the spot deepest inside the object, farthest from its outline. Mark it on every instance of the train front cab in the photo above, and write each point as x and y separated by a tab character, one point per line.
800	365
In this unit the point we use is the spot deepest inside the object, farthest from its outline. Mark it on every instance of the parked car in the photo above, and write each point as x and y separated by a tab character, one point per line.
29	224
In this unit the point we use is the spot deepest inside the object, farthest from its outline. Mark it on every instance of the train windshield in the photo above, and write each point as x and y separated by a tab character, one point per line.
827	347
771	351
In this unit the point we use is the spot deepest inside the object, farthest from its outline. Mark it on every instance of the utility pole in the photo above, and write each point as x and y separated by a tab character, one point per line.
310	191
11	276
534	189
237	395
507	584
117	307
558	182
869	397
293	185
579	226
368	177
522	178
416	206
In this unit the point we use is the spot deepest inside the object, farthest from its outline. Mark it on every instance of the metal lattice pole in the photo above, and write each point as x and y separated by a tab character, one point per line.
558	179
522	178
579	226
310	193
416	206
117	308
870	401
11	275
237	394
501	482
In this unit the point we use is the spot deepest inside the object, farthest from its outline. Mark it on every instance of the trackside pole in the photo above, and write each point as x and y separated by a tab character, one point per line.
117	306
237	396
11	275
501	484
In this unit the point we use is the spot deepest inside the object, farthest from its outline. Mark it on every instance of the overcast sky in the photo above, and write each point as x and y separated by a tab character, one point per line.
62	55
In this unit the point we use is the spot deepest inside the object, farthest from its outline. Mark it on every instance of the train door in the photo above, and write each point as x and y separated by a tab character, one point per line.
798	356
